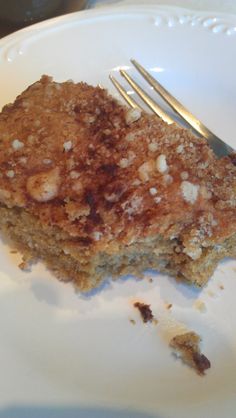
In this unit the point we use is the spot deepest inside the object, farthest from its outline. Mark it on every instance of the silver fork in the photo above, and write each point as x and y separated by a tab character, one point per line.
219	147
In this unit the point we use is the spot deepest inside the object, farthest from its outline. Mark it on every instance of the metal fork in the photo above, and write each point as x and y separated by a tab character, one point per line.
219	147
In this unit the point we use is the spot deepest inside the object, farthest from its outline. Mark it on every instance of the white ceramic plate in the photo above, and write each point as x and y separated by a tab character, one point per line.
63	354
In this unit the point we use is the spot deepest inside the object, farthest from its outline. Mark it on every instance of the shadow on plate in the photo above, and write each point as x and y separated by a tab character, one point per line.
187	290
69	412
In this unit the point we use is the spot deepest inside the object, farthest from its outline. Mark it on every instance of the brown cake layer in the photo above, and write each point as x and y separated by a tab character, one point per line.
96	189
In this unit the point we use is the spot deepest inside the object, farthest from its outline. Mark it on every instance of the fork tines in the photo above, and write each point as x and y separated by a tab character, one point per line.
219	147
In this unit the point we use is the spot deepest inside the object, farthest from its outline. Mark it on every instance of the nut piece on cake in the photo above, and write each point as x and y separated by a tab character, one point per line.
96	190
187	347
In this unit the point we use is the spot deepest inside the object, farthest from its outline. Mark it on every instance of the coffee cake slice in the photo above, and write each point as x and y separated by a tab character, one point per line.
95	189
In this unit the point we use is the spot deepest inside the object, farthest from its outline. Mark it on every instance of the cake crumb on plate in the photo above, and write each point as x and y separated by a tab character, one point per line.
186	346
145	311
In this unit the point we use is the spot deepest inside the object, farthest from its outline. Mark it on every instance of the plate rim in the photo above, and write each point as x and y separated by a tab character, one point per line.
112	12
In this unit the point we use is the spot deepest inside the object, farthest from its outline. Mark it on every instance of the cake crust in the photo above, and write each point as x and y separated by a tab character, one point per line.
103	180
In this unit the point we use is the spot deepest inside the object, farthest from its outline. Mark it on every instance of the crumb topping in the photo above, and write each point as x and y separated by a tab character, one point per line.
75	158
16	144
184	175
153	191
44	186
152	147
189	191
145	171
161	163
67	146
132	115
10	173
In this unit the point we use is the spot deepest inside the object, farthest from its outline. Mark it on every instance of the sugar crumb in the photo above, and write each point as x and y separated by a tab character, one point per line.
10	173
152	147
124	163
16	144
144	171
189	191
153	191
130	137
22	160
47	161
97	235
157	199
180	149
184	175
168	179
136	182
132	115
161	164
67	146
74	174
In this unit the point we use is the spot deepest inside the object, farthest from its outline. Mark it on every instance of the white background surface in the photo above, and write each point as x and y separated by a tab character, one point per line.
63	354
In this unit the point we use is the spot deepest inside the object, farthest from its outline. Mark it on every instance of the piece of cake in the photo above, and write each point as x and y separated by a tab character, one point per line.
187	347
96	189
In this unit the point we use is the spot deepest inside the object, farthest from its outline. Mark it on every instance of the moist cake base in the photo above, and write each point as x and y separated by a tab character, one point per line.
51	245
